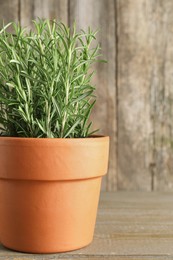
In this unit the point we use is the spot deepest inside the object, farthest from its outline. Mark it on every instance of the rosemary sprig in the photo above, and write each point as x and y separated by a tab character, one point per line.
45	80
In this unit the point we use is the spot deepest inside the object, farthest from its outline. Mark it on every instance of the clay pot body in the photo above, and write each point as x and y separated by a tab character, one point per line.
49	192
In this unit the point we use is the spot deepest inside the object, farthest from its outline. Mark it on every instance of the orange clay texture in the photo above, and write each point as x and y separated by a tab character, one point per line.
49	192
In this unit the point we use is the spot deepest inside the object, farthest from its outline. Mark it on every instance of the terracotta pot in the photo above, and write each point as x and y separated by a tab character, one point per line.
49	192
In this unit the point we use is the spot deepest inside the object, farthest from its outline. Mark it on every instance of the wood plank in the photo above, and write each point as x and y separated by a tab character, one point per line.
130	225
101	14
93	258
9	11
135	126
161	37
52	9
145	95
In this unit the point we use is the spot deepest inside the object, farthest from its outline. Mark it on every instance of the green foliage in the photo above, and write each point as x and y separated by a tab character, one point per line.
45	80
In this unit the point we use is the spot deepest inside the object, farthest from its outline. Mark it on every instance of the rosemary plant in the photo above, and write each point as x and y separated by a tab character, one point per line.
45	80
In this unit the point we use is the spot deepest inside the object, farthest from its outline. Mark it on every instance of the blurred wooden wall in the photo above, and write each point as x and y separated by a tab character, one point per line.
135	88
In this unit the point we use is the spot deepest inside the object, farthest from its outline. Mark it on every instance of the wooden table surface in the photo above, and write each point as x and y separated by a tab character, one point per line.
130	225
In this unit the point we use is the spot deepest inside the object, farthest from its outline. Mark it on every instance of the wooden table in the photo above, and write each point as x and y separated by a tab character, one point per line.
130	225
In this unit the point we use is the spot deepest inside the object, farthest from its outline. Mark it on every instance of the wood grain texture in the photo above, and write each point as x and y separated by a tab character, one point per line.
145	94
9	11
130	225
101	15
135	128
161	38
52	9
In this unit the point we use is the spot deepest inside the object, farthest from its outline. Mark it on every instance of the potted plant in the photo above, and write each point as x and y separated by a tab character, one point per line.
51	164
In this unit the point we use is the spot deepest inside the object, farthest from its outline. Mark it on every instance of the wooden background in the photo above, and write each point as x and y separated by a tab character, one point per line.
135	88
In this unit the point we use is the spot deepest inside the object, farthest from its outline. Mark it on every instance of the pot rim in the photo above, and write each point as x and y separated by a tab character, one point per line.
49	159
